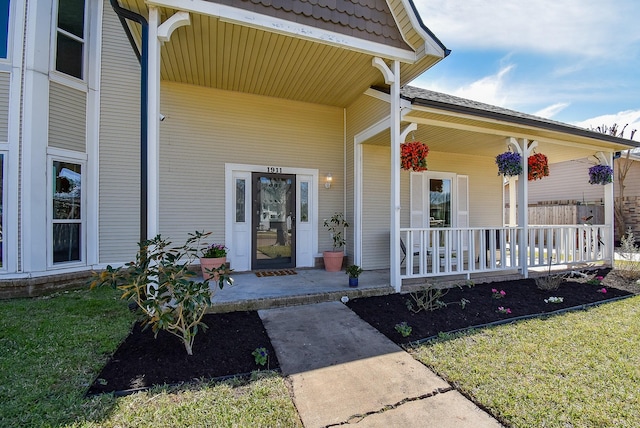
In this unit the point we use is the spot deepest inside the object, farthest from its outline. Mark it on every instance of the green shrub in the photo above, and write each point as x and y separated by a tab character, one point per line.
160	282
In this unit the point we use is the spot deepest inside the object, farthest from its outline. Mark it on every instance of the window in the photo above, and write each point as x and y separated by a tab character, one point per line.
70	37
4	27
67	212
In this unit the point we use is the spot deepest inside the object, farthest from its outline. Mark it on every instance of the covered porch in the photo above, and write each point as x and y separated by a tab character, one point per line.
451	218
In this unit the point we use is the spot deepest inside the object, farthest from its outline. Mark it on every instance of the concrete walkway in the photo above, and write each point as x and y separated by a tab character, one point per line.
343	371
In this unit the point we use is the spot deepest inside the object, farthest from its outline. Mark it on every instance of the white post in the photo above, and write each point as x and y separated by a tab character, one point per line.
513	201
153	126
609	202
396	282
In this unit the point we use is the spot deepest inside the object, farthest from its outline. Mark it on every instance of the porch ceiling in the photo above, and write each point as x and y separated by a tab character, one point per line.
218	54
478	137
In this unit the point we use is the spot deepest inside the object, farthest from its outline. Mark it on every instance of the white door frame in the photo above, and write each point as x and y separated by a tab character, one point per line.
239	244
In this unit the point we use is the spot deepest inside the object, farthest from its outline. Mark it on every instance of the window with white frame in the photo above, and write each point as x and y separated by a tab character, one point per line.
70	38
4	28
67	212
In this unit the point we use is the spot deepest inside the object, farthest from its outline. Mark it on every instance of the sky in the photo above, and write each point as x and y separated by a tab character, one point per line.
574	61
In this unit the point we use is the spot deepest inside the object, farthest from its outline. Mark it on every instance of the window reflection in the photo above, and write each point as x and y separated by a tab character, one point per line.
67	211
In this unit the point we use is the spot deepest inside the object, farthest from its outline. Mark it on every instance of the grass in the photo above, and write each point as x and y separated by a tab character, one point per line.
579	369
53	347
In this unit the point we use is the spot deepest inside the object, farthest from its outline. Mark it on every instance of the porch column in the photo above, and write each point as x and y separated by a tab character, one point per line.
609	201
153	126
158	34
524	148
392	78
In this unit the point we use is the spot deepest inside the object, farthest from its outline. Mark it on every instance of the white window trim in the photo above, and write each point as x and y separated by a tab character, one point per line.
62	155
58	76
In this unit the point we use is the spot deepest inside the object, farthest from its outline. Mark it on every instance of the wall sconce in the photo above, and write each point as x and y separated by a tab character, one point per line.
327	183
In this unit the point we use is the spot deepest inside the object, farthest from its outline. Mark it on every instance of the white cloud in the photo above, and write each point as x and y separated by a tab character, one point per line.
551	110
631	118
584	28
489	89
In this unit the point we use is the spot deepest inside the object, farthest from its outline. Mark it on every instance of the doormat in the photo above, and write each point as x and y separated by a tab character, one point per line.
283	272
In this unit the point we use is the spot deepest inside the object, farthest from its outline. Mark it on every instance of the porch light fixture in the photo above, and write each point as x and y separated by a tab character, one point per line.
328	181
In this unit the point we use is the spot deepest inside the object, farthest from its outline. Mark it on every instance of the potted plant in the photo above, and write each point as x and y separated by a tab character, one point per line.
600	174
413	156
213	256
538	166
354	272
509	164
336	226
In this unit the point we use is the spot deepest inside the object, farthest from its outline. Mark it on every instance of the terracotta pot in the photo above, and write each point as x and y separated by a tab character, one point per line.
333	260
211	263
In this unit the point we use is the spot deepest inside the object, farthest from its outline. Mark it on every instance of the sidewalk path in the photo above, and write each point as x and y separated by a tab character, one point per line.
342	370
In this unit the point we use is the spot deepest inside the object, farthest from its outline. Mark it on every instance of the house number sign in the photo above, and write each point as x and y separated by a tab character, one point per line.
274	169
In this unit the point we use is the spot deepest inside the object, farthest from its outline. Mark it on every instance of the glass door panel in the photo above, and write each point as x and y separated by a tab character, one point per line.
439	202
274	220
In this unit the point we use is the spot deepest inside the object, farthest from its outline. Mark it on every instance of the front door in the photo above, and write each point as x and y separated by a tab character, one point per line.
274	234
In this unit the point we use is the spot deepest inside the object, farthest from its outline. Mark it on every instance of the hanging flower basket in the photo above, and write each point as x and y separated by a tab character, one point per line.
509	164
600	174
413	156
538	166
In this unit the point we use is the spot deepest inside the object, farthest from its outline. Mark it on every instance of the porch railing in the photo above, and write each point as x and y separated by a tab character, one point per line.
446	251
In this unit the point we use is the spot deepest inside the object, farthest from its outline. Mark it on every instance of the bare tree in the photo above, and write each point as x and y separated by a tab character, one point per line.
624	164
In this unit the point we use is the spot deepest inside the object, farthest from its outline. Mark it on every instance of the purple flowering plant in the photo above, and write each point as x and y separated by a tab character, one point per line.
214	251
600	174
509	164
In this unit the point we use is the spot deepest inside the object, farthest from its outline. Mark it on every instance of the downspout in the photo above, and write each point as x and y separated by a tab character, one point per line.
143	58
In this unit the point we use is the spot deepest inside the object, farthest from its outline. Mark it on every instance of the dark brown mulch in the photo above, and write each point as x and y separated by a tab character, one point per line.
522	297
224	349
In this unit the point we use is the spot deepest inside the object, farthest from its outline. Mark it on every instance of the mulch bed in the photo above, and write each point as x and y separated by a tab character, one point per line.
522	298
224	349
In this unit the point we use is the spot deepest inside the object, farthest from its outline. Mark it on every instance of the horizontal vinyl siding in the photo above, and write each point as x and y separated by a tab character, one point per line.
567	181
485	197
485	185
376	214
206	128
119	144
67	117
5	79
360	115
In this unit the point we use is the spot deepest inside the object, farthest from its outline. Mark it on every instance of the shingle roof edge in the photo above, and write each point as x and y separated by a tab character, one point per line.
427	98
427	30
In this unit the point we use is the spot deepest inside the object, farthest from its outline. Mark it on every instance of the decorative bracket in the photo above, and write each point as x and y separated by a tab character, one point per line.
378	63
602	158
410	127
178	19
520	148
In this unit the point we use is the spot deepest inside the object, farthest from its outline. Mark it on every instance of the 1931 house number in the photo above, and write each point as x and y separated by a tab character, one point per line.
274	169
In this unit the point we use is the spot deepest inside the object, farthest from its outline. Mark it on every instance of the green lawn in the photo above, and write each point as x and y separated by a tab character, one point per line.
52	348
580	369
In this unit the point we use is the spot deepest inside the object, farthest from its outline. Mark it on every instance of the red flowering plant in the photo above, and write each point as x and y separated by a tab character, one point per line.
538	166
413	156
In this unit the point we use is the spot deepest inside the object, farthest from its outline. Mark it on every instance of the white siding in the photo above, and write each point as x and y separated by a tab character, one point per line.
119	144
67	117
4	105
206	128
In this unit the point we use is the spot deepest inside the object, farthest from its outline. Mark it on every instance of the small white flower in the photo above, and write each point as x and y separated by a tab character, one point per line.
344	299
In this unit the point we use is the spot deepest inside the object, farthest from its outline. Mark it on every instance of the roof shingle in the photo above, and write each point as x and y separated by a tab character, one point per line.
369	20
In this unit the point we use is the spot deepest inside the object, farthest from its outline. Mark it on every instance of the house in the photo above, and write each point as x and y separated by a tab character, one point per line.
552	191
257	119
